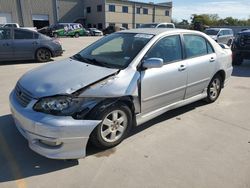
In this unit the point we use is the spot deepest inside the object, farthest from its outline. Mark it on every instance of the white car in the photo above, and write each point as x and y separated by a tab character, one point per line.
221	35
157	25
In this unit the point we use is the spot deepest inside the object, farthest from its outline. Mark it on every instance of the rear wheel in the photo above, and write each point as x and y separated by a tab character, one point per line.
115	125
214	89
43	55
77	35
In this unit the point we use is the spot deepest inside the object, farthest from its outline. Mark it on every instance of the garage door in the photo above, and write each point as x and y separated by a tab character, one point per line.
40	20
5	18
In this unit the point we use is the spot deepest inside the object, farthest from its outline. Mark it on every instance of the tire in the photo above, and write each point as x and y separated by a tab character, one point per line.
77	35
43	55
110	132
214	89
55	35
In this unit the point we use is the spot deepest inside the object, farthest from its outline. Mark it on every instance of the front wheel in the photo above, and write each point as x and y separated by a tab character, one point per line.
43	55
115	125
77	35
214	89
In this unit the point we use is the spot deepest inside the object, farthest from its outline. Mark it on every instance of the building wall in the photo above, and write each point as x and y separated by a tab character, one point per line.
70	10
156	13
31	7
94	17
10	7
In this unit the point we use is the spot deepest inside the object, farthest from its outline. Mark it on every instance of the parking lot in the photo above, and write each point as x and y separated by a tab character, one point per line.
198	146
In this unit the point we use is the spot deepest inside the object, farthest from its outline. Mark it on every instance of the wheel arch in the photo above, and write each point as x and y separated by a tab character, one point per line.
45	47
222	74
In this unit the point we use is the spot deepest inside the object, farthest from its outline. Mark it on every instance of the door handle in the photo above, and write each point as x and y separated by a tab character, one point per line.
182	68
212	59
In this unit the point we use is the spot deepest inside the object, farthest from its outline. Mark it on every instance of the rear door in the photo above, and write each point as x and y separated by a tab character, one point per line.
24	44
201	60
6	44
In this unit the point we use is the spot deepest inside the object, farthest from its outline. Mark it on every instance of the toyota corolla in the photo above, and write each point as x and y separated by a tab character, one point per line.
123	79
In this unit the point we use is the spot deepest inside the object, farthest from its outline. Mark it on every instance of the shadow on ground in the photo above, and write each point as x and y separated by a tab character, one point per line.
242	70
137	129
18	161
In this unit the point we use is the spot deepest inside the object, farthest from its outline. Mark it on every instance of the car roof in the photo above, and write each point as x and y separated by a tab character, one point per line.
215	28
158	31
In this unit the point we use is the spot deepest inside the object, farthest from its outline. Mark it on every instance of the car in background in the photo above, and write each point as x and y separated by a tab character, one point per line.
112	29
22	44
124	79
221	35
95	32
157	25
16	25
241	47
64	30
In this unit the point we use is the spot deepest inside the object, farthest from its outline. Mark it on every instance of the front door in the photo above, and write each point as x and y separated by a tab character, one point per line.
6	44
166	85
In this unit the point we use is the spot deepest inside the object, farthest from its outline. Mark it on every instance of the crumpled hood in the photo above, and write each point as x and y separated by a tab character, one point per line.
62	77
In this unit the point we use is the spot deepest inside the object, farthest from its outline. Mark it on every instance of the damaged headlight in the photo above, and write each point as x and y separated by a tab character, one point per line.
63	105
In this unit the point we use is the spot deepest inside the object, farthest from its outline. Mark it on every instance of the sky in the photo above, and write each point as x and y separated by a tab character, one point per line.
183	9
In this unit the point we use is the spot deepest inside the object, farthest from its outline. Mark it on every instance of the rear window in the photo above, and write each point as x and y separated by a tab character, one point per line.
22	34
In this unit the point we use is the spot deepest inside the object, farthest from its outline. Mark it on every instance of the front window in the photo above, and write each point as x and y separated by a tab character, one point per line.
5	34
114	51
145	11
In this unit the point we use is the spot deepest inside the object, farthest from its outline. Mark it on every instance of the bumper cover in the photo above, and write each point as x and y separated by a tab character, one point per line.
36	127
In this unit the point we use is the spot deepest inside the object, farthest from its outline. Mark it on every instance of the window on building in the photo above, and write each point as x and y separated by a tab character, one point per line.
124	9
138	10
125	25
111	8
99	8
89	25
88	9
145	11
112	24
167	13
100	26
137	25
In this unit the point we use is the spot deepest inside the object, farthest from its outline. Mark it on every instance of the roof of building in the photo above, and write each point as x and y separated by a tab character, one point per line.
165	4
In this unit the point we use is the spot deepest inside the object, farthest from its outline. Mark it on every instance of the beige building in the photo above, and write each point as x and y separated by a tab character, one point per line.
123	13
91	13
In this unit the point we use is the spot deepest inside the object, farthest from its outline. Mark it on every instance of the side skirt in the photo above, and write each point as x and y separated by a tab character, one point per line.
142	118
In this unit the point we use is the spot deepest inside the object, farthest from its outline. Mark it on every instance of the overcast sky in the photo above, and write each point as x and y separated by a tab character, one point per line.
182	9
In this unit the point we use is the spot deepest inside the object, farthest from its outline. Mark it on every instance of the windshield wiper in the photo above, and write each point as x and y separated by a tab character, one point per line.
93	61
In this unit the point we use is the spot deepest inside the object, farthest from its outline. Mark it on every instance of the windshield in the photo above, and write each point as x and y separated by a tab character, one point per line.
211	32
114	51
148	25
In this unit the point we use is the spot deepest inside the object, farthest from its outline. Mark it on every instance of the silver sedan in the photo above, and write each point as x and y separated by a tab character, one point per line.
129	76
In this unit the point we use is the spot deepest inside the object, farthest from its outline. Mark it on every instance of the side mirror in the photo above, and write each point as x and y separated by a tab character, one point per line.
152	63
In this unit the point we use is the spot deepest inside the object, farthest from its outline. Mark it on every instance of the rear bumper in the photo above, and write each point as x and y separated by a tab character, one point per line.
70	135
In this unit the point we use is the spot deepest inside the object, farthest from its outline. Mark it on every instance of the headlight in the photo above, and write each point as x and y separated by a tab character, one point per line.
59	105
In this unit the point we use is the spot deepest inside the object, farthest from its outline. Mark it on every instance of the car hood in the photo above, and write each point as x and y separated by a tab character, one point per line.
62	77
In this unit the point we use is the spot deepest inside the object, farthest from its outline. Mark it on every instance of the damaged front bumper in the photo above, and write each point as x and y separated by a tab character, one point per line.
56	137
